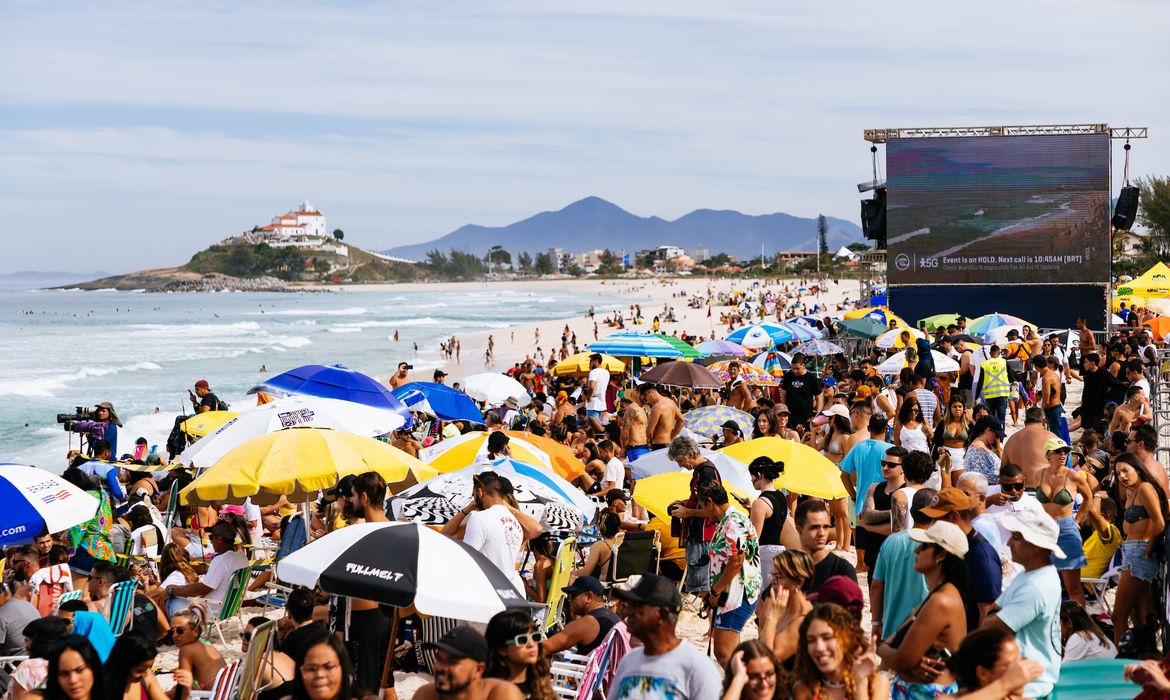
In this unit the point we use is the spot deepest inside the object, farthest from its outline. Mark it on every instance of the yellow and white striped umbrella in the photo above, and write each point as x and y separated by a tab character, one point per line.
458	452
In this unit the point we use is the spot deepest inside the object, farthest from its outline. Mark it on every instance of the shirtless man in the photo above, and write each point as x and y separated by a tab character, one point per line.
859	414
527	376
634	422
404	441
399	378
665	421
1050	391
1026	447
739	394
1088	342
1135	406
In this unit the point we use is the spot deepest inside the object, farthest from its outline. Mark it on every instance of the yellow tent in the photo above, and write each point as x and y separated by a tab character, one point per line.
1155	283
1131	300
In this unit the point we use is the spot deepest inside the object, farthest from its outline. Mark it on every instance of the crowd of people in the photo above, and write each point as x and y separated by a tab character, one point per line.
981	555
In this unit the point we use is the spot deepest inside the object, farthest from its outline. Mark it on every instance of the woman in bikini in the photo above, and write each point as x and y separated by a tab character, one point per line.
601	552
1145	520
198	662
951	434
1056	492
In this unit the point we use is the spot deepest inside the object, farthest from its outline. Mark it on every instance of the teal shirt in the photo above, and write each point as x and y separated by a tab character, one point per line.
1031	607
903	588
866	460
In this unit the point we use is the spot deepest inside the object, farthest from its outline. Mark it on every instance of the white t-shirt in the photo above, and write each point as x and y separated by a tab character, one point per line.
497	534
683	672
1081	646
600	379
615	471
176	578
255	520
219	573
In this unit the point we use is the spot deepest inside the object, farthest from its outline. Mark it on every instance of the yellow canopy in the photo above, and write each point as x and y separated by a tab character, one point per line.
1155	283
201	424
579	364
656	492
885	314
300	463
1130	300
805	470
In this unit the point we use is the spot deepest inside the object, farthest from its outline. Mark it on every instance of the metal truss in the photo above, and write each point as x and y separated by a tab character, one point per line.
883	135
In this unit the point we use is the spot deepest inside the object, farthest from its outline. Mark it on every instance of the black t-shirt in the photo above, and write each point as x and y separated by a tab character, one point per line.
291	644
212	402
829	567
799	392
706	471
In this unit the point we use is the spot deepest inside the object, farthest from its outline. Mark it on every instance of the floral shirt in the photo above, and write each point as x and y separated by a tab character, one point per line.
982	462
96	536
735	535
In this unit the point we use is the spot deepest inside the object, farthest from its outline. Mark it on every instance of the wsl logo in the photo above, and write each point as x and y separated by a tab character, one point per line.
902	262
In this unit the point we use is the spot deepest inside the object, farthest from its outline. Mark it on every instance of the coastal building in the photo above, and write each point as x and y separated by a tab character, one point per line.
305	221
699	255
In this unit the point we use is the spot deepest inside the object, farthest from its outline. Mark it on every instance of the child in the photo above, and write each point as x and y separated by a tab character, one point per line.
52	582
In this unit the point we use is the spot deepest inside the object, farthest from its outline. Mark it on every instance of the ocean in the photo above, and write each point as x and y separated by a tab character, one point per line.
143	351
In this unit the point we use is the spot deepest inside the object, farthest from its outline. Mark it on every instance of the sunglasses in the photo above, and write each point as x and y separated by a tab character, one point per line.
522	640
1011	487
891	465
179	629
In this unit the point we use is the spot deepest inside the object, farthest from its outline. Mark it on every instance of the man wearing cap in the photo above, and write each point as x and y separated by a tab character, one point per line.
861	470
664	666
896	588
203	400
213	585
592	619
634	423
984	571
1026	446
1030	607
618	501
439	377
801	391
460	660
732	433
101	467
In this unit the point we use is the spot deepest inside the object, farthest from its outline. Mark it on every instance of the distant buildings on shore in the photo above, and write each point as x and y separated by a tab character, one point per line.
303	228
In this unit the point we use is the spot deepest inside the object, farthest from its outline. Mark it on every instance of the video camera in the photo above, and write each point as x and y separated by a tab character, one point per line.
83	420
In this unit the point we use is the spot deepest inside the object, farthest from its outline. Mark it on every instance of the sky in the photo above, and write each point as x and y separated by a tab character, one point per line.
133	134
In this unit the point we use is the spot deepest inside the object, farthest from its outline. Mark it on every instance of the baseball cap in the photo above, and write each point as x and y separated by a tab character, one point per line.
839	590
732	426
780	408
343	489
946	535
652	589
616	495
202	384
988	422
948	500
1036	528
863	393
450	430
463	642
1055	444
585	584
440	373
223	529
834	410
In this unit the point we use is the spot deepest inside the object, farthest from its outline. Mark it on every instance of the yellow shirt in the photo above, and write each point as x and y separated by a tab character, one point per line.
1099	552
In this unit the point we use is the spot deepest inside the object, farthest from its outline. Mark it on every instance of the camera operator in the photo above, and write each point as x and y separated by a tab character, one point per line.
101	468
100	423
203	400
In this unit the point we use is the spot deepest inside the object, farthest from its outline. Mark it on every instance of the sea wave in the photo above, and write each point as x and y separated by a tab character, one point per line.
344	329
350	311
194	330
295	341
51	384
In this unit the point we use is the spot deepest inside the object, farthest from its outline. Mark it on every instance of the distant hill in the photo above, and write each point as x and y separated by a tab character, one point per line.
595	223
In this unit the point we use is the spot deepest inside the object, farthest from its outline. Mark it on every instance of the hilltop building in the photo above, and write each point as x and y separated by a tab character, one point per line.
306	221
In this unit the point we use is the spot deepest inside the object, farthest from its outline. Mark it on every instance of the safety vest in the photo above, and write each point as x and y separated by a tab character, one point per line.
995	379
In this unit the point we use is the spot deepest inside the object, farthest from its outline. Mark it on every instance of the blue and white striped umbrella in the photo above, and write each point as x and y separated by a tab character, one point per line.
440	400
635	345
37	501
761	335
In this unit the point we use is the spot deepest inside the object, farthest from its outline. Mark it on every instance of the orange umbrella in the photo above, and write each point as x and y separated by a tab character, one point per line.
1160	325
564	459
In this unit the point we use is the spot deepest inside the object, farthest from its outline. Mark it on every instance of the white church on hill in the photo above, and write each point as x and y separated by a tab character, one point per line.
306	221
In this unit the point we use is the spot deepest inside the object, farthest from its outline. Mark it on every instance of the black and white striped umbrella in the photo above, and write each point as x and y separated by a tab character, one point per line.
403	564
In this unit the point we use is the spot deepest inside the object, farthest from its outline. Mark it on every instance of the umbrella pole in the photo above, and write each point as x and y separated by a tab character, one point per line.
388	667
307	514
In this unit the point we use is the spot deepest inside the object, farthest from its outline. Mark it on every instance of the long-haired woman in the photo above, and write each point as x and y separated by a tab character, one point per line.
174	568
754	673
75	671
988	665
127	671
518	656
198	662
832	661
909	429
951	433
1081	636
323	669
1145	522
783	606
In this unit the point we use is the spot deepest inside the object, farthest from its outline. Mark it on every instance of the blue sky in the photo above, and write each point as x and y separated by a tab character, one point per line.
133	134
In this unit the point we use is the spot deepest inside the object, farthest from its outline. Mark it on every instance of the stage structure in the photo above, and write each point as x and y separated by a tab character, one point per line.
1014	219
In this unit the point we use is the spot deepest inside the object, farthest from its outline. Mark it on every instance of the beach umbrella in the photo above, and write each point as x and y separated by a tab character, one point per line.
867	328
402	565
749	372
760	335
707	420
807	321
291	412
801	332
439	400
201	424
1072	339
721	347
458	452
493	389
999	335
656	493
545	496
939	321
894	363
334	382
37	501
1130	300
299	463
805	470
773	362
818	347
1161	306
1160	325
988	322
1116	320
635	345
689	352
893	339
576	365
682	374
878	313
732	471
965	337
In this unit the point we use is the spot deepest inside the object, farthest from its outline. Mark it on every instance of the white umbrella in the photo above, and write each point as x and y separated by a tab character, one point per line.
731	470
291	412
36	501
897	361
889	339
999	335
494	389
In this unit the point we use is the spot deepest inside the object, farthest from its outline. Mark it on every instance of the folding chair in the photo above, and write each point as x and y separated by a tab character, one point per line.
562	567
229	609
1094	679
70	595
259	654
224	686
637	553
121	606
568	674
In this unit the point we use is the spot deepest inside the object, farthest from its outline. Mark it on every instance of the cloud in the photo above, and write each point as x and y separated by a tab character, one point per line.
406	120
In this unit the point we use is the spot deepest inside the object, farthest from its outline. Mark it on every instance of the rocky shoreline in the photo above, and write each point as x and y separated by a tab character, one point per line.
179	280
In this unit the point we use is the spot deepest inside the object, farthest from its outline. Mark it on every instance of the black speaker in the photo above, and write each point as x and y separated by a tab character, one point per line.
1126	209
873	217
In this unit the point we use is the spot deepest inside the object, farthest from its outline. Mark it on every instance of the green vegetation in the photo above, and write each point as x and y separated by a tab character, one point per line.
458	265
249	261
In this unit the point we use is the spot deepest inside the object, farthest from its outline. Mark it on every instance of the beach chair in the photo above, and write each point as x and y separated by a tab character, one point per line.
638	553
1094	679
568	674
8	666
562	567
119	612
259	654
172	515
579	677
70	595
224	686
229	609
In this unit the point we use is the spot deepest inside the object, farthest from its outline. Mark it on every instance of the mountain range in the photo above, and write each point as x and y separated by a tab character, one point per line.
593	223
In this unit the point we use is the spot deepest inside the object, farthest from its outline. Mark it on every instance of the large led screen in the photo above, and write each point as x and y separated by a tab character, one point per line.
998	210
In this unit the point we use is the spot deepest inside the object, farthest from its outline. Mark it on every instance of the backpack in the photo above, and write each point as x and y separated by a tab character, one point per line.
50	590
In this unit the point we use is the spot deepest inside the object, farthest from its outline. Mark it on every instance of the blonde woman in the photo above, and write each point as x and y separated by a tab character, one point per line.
198	662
